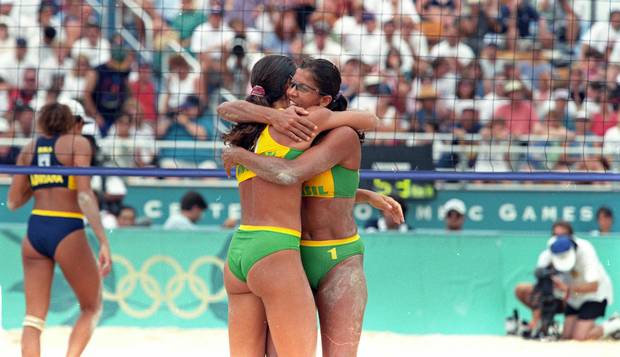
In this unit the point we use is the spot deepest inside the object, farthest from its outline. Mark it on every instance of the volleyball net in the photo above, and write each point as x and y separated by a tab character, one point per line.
478	90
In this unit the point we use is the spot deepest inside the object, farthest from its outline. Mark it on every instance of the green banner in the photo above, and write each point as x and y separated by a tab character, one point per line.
418	284
486	209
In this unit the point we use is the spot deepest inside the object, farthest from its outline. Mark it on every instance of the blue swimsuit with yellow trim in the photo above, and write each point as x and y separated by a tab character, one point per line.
320	257
252	243
47	228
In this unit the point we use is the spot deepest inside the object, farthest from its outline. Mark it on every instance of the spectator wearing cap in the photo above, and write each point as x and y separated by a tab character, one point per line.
564	107
586	286
492	66
604	35
192	207
427	119
322	46
187	20
519	113
582	287
604	221
92	45
209	39
13	64
107	87
368	98
8	153
454	214
187	125
452	48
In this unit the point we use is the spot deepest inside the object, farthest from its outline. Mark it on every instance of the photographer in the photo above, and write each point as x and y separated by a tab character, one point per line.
579	277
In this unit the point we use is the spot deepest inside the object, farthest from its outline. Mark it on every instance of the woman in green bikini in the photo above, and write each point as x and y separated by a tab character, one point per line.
331	250
263	276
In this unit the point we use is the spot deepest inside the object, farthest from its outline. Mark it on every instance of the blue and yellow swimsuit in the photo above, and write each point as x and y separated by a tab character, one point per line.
319	257
47	228
252	243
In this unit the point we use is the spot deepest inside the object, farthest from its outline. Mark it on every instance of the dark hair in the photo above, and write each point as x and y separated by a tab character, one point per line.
124	207
192	199
327	77
56	119
563	224
604	210
273	74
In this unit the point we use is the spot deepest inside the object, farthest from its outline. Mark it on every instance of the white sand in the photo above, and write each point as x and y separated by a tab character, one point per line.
120	342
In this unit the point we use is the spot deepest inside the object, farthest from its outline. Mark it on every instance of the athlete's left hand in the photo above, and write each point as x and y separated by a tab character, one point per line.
388	205
105	258
229	158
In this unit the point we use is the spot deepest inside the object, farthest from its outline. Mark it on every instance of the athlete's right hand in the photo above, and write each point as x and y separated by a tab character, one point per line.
229	158
105	258
293	123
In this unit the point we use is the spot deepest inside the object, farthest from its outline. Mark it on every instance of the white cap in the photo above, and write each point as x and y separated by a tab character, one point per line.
454	205
76	108
582	114
4	125
512	86
561	94
114	185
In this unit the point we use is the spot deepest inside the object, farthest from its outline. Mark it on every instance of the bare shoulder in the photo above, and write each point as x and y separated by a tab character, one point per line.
344	133
26	153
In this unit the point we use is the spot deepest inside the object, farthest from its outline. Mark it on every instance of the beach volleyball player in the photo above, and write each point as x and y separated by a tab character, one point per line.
56	228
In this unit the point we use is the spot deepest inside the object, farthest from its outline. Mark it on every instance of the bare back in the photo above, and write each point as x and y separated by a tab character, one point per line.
268	204
57	198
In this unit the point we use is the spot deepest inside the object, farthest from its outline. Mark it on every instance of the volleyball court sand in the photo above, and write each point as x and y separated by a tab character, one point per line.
120	342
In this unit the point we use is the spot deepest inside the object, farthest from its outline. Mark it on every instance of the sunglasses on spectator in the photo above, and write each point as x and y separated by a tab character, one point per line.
304	88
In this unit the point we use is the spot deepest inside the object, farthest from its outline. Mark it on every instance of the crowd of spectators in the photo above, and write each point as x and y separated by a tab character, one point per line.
476	78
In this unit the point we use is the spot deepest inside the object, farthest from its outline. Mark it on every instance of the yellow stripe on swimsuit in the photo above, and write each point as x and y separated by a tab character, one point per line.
61	214
323	243
267	146
249	228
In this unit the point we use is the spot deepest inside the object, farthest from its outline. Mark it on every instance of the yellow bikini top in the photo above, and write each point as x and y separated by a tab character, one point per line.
266	145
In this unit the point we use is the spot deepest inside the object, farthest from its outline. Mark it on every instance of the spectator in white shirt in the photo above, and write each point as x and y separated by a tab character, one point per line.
210	38
322	46
388	9
453	48
603	35
193	206
92	45
13	65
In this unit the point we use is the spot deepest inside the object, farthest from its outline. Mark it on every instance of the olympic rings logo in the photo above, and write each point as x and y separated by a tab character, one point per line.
168	293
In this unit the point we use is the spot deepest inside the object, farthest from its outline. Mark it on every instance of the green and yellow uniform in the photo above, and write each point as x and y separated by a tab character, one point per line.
319	257
252	243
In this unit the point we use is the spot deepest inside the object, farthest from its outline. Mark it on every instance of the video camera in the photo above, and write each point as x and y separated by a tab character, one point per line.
544	299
